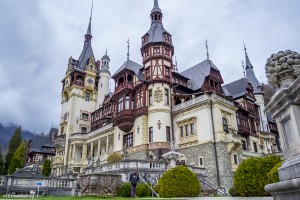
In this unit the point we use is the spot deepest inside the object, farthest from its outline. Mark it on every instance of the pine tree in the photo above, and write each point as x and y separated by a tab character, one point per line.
46	167
19	158
2	170
14	143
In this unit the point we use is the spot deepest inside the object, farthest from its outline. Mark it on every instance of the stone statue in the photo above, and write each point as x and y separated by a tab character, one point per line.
125	152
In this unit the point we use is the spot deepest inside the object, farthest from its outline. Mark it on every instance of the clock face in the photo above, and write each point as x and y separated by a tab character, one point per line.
90	81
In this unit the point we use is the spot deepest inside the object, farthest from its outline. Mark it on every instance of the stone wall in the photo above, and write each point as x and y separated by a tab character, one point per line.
209	162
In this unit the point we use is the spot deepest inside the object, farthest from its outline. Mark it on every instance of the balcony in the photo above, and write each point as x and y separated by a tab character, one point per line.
127	85
125	120
59	142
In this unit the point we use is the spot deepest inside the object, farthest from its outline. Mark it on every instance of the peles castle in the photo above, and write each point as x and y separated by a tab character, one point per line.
215	126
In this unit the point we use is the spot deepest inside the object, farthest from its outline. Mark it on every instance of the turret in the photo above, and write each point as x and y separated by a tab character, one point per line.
103	84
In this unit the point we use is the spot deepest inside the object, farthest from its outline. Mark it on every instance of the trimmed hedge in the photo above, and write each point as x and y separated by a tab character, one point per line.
143	190
273	176
114	158
233	192
251	175
179	182
124	190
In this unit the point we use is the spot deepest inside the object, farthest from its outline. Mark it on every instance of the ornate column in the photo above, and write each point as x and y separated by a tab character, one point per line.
98	152
84	152
91	152
283	70
107	145
73	151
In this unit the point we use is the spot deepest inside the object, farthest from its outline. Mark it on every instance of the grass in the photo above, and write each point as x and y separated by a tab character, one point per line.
82	198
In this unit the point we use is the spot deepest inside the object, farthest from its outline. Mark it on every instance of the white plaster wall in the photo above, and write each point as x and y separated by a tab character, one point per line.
203	123
159	111
102	91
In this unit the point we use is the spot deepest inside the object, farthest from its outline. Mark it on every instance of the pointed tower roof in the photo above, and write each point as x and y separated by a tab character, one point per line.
156	7
250	75
89	30
105	56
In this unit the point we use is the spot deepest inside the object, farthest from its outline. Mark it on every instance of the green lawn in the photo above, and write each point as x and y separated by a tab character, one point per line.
85	198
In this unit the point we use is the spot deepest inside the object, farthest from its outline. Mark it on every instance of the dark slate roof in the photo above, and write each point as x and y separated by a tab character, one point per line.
53	130
105	56
156	7
251	76
38	141
156	32
226	92
87	51
133	66
198	73
237	88
28	173
269	118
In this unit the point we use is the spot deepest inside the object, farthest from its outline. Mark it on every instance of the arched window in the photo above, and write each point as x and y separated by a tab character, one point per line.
225	125
79	80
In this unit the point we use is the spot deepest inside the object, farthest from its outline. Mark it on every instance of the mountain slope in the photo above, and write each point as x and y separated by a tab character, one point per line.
7	132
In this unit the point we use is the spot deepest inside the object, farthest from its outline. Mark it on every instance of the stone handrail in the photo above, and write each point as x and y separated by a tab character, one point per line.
127	165
2	181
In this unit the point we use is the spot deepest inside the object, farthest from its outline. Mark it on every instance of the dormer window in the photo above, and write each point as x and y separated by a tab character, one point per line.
167	52
168	38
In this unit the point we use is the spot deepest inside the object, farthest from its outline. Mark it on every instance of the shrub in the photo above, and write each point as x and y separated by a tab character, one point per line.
14	164
124	190
114	158
46	168
251	175
179	182
273	176
233	192
143	190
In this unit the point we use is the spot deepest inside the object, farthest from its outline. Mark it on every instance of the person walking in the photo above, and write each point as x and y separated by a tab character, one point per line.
134	179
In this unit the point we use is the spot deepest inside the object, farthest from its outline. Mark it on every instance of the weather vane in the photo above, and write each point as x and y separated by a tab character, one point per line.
243	68
207	54
245	47
92	9
128	47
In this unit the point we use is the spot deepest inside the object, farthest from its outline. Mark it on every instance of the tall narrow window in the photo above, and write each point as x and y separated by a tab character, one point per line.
201	161
255	147
150	134
87	97
181	132
150	97
120	104
244	145
128	140
127	102
187	130
192	128
235	159
166	96
168	134
225	125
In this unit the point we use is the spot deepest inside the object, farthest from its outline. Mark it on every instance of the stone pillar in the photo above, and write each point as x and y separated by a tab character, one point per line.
91	152
98	152
283	69
84	152
107	145
73	151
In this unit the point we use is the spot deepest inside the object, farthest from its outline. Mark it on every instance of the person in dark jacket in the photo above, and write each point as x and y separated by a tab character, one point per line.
134	179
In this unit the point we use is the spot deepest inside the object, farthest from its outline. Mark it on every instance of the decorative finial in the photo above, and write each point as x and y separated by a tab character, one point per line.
207	54
245	47
176	68
106	51
128	47
92	9
243	68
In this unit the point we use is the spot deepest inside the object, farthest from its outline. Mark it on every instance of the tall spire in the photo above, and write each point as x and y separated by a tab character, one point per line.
88	35
156	7
250	75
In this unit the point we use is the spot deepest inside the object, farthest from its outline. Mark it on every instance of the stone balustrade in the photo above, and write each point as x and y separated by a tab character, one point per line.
2	181
126	165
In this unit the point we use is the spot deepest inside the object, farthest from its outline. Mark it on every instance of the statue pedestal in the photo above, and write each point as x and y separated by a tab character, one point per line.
285	107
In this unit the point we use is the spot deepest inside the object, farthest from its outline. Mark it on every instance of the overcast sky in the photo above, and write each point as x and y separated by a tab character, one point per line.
37	37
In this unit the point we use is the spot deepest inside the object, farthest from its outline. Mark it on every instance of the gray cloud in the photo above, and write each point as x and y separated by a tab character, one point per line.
38	37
